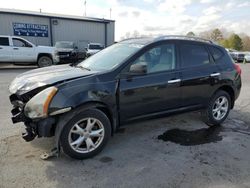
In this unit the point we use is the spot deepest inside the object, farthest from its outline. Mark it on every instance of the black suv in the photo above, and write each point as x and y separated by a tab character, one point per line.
69	52
84	104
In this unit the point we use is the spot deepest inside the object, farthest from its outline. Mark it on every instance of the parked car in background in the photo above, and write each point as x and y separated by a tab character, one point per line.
239	56
93	48
247	57
18	50
84	104
232	53
69	52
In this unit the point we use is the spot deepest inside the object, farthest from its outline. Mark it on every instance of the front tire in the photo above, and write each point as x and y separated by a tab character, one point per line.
218	109
86	134
44	61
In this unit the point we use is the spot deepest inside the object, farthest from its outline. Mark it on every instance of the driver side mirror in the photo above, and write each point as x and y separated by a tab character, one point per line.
138	69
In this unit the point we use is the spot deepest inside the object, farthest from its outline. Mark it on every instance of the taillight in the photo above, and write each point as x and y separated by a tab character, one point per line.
237	68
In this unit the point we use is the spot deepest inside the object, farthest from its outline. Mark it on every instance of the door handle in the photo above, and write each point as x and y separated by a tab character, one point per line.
215	74
1	48
15	48
174	81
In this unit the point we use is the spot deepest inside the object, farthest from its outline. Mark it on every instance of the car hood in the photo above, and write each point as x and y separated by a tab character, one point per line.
46	76
64	49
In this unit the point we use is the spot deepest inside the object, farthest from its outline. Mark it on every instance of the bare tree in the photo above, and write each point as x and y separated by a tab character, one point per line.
136	34
191	34
246	43
205	34
216	35
127	35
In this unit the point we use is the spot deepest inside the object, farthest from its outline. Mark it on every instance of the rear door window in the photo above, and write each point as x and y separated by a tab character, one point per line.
193	55
4	41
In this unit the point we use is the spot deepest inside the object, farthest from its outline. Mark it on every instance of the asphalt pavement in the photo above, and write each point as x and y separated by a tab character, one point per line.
176	151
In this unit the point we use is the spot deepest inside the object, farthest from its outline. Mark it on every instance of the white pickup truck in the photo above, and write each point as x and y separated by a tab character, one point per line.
18	50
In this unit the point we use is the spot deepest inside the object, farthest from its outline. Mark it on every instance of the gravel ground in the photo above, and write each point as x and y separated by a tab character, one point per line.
177	151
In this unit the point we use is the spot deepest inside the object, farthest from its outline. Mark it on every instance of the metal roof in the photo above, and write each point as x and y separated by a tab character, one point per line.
52	15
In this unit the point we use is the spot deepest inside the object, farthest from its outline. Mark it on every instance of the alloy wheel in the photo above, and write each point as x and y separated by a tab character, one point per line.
86	135
220	108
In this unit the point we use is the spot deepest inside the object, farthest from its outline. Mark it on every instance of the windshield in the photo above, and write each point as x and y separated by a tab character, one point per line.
110	57
95	47
64	45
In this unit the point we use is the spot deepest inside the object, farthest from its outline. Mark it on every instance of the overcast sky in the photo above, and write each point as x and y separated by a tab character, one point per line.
152	16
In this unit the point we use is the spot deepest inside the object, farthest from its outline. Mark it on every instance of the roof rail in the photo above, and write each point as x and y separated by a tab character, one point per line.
134	38
184	37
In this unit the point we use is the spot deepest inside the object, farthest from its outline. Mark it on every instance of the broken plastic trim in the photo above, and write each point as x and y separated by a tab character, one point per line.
53	153
61	111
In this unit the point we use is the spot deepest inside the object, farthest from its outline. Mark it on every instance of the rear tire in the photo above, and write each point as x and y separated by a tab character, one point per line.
44	61
86	134
218	108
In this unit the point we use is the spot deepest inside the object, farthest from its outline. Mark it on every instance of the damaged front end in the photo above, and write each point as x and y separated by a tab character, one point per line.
33	126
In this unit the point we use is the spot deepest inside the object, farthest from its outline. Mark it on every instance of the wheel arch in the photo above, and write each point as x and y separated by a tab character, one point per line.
104	108
230	91
88	105
44	54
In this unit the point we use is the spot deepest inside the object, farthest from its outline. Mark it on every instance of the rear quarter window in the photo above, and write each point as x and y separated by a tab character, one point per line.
216	52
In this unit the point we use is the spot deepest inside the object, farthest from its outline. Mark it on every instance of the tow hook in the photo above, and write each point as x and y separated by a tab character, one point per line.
53	153
28	135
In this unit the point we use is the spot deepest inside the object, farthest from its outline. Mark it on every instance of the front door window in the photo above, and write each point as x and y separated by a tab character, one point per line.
158	59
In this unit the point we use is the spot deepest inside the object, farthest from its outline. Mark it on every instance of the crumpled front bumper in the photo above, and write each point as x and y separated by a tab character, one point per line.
33	128
18	109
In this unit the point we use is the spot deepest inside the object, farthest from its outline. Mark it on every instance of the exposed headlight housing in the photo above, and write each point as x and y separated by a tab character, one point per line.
37	107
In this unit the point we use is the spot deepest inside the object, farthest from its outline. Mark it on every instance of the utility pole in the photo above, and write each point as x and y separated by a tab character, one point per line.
110	11
85	4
